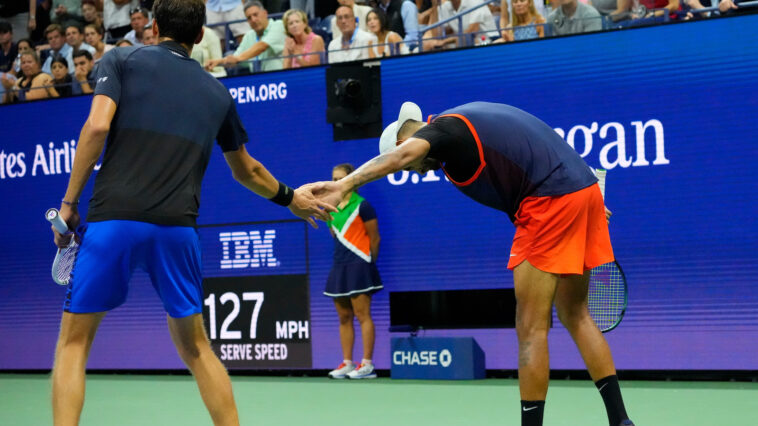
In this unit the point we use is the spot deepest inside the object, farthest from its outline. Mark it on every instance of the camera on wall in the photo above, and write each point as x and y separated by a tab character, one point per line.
354	101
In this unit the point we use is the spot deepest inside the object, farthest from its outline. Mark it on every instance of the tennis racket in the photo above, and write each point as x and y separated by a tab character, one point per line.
64	259
608	293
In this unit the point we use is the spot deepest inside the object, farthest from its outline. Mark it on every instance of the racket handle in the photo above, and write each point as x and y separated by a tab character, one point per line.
600	173
54	217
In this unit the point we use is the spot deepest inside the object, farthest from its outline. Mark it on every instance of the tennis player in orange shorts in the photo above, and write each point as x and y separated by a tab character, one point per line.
507	159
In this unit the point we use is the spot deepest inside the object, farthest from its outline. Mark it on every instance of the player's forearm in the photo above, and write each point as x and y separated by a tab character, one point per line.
374	169
257	179
88	150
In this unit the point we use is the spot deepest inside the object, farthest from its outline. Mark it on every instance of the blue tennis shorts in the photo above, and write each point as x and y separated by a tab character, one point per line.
112	249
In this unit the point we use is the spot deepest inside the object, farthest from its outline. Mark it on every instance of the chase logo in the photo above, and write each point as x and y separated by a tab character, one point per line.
248	249
431	358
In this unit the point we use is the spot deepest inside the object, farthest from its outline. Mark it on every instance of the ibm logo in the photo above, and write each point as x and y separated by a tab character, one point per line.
236	248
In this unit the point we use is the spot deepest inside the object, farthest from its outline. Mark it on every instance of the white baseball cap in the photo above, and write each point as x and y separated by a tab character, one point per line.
388	141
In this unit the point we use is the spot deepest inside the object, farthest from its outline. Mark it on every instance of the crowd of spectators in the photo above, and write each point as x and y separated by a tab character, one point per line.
51	48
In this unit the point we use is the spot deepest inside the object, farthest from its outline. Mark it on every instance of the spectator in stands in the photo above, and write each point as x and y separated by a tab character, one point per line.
75	39
265	41
727	6
31	85
62	80
55	38
24	45
573	17
402	18
139	19
300	40
352	43
85	78
671	5
8	49
148	36
66	12
359	11
220	11
479	22
388	42
505	8
41	22
208	49
20	14
9	53
90	14
123	43
117	17
94	37
524	23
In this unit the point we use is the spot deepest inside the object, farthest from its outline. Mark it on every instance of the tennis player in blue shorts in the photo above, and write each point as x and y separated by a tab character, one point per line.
507	159
160	112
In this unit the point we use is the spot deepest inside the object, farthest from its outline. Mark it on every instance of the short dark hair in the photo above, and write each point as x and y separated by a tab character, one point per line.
82	52
180	20
345	167
78	28
6	27
60	59
141	10
25	40
253	3
384	24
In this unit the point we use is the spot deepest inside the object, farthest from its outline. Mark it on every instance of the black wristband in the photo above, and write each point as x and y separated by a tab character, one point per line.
284	196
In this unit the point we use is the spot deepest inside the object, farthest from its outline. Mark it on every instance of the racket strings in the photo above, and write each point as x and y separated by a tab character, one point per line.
607	295
64	263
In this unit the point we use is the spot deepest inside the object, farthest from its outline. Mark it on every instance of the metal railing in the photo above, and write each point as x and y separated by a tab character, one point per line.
229	39
740	5
459	17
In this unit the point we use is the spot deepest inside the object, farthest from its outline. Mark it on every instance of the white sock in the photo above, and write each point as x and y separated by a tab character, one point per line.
365	361
347	361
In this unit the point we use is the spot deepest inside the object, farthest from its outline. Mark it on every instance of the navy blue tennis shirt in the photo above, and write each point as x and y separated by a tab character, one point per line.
169	111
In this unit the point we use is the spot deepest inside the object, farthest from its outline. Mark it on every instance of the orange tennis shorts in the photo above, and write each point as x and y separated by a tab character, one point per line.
565	234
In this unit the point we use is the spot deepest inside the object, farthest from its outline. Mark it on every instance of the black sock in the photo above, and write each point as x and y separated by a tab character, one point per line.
614	404
531	412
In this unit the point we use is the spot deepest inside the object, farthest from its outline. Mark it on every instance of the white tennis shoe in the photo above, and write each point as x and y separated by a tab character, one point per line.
342	371
364	371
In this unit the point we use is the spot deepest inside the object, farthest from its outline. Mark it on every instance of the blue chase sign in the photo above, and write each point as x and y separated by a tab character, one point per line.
444	358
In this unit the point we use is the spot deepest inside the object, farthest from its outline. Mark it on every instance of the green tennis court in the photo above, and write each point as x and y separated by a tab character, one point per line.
116	400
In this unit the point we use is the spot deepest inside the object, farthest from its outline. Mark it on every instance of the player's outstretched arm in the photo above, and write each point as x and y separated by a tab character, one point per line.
410	153
88	150
253	175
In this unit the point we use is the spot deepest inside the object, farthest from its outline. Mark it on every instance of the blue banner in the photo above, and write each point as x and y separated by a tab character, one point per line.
668	111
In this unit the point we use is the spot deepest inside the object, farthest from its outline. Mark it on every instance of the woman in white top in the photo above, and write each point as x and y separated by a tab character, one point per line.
93	35
388	42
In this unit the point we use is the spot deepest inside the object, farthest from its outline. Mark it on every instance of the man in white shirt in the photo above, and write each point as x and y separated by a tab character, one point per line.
475	22
139	17
360	11
116	17
75	39
351	43
218	11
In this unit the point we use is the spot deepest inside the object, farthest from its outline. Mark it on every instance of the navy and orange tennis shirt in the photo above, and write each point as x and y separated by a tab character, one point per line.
498	155
156	154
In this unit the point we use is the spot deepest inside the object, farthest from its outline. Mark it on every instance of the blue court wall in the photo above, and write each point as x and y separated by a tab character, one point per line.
669	111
